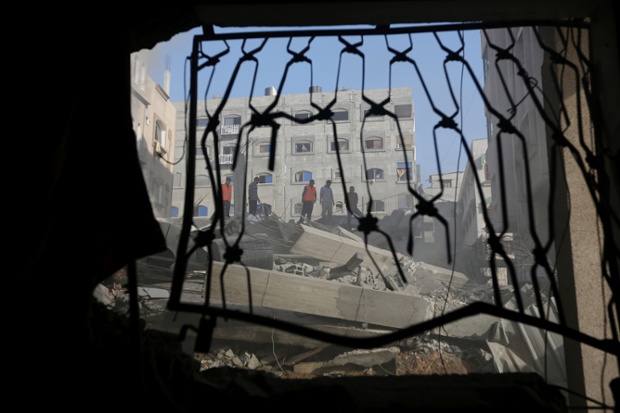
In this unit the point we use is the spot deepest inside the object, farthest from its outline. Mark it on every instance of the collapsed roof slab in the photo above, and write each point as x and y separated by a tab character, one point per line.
308	295
330	247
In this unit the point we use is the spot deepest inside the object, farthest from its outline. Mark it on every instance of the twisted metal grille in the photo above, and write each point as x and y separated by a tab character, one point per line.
535	231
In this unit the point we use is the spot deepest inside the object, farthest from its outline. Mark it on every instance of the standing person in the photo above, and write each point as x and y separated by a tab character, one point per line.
353	200
227	196
253	199
308	198
326	198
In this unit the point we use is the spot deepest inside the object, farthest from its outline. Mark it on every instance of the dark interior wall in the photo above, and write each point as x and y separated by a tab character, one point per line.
85	185
82	206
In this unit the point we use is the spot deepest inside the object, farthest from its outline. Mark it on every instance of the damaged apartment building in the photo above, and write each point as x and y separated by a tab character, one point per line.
306	151
492	288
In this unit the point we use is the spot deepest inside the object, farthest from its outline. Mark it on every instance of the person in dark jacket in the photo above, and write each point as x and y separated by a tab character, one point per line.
326	198
353	209
253	198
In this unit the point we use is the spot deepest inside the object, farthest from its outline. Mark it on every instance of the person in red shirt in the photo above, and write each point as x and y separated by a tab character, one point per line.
227	196
308	198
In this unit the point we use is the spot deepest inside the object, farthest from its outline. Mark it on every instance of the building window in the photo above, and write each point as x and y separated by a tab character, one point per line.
159	142
202	180
174	212
403	111
202	122
265	178
367	116
303	115
378	206
231	125
201	211
160	133
177	180
340	115
407	140
304	147
447	183
302	177
337	176
373	144
264	148
343	145
227	155
404	171
375	174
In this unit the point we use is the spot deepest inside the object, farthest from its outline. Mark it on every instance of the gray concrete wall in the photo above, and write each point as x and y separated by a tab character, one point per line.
284	192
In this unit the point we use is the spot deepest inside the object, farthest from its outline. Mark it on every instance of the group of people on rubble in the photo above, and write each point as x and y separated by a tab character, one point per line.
227	193
309	197
326	199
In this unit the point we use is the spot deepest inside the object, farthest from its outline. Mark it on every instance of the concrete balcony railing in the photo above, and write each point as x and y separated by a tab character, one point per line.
226	159
230	130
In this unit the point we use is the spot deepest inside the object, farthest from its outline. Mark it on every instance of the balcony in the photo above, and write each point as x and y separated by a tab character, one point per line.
226	159
230	130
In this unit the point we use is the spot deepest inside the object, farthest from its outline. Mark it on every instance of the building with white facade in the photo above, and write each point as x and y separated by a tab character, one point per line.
474	197
153	117
516	159
377	153
437	236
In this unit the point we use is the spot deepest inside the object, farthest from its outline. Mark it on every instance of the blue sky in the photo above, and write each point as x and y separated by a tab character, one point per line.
324	53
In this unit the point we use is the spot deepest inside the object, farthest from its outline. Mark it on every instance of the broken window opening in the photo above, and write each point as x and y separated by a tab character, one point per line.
448	216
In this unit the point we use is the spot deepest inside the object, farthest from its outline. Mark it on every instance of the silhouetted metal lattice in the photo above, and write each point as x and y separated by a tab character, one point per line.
503	59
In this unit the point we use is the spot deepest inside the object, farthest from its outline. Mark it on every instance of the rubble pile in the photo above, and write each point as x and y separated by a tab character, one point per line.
333	281
420	355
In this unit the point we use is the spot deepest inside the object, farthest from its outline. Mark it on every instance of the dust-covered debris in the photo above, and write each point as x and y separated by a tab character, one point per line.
413	356
442	288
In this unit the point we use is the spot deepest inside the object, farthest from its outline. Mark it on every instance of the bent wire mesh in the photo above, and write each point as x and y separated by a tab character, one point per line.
369	109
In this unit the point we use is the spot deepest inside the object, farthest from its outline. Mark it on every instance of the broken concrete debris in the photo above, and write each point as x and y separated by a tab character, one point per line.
330	279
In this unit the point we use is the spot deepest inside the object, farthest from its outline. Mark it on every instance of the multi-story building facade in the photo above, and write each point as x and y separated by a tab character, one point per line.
558	190
377	153
436	236
523	154
471	228
154	118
